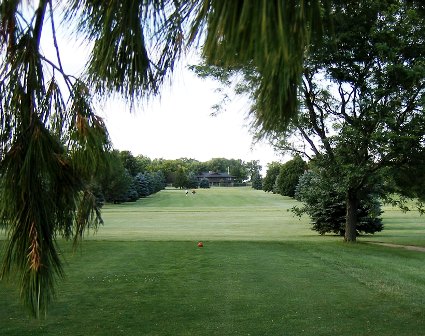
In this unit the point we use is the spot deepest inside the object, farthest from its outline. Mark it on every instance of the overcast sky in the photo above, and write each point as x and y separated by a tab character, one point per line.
179	124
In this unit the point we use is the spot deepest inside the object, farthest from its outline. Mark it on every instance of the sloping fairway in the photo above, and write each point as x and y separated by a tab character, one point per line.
218	213
260	272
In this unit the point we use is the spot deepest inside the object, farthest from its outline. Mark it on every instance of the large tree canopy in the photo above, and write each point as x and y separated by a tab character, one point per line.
361	100
363	92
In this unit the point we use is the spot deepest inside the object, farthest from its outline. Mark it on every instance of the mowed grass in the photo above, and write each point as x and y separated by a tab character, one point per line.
261	272
217	213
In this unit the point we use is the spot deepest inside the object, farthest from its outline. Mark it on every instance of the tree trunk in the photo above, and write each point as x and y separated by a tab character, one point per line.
351	216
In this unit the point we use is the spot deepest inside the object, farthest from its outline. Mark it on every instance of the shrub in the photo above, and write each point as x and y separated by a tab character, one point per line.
192	181
132	195
326	206
204	183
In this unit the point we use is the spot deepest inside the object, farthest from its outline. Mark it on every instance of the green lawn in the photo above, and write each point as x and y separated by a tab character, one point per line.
261	272
216	214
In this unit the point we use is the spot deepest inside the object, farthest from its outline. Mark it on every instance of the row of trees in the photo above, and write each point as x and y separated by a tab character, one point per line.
131	177
121	183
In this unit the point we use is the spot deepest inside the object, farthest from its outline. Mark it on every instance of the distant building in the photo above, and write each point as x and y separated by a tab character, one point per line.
217	179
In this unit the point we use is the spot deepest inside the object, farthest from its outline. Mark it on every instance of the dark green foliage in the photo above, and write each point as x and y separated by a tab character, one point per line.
271	175
192	181
132	195
143	163
159	182
129	162
142	185
362	111
155	181
204	183
324	202
116	180
257	181
50	148
150	183
180	178
220	165
254	171
289	174
116	189
408	181
173	169
97	192
118	185
239	169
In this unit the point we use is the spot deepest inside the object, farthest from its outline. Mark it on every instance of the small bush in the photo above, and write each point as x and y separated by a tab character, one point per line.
204	183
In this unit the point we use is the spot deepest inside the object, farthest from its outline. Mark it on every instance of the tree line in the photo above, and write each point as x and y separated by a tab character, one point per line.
127	177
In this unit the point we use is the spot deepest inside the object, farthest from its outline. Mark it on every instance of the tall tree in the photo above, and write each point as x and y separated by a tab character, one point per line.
257	181
369	120
269	180
324	201
238	169
130	162
116	180
219	165
254	168
289	174
181	178
144	163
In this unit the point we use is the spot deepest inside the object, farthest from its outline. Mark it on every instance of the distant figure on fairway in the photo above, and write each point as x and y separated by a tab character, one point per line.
187	192
193	192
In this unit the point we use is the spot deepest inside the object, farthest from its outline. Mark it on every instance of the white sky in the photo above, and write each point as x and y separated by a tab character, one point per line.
179	123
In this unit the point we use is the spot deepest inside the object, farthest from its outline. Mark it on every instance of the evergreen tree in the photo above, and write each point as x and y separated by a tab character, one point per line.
257	181
324	201
269	180
142	185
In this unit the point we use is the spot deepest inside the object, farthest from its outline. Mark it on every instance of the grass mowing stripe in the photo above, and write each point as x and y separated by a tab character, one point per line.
261	272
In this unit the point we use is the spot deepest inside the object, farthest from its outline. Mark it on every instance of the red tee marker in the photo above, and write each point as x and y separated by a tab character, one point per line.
200	244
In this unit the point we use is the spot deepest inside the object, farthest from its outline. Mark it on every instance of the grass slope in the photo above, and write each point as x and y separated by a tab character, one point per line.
142	274
210	214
